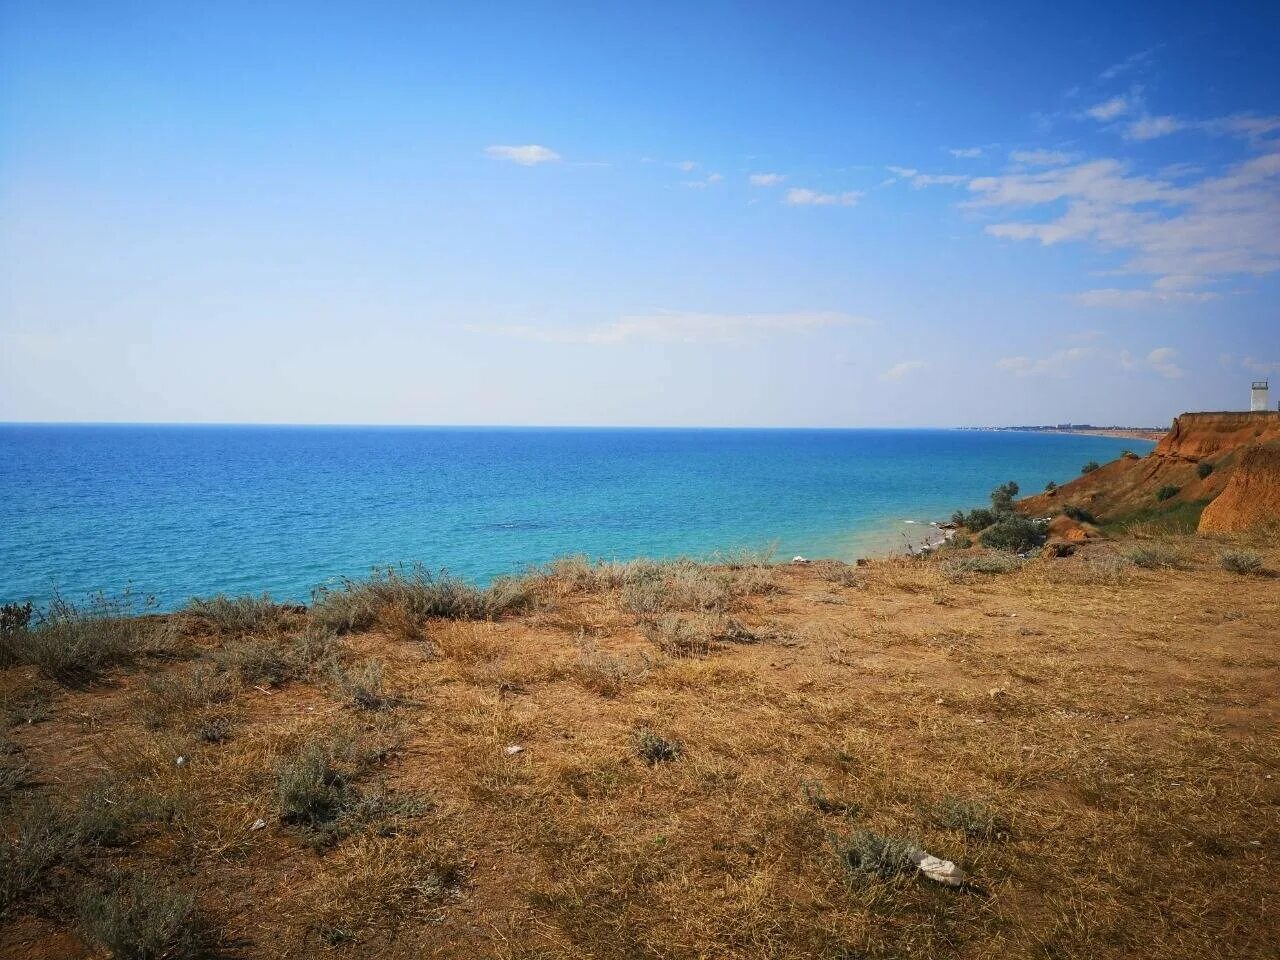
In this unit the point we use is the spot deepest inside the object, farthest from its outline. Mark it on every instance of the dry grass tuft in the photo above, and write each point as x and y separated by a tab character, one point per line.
140	918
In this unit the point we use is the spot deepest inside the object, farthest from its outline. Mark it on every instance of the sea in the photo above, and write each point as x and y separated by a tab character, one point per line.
173	512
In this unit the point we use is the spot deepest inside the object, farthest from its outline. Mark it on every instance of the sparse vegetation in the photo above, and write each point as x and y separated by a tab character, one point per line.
238	615
974	818
1203	469
555	763
1156	556
652	748
1089	467
417	593
1167	492
1050	487
76	644
142	918
1241	561
873	854
959	567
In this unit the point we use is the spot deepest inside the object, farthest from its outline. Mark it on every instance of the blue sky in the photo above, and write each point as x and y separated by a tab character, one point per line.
683	214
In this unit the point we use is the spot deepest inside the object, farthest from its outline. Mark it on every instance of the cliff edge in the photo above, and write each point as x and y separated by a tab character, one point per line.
1204	458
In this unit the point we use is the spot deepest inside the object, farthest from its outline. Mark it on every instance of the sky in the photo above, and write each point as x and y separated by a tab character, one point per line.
704	214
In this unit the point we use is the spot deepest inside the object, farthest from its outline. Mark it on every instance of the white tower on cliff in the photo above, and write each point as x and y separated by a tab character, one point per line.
1258	397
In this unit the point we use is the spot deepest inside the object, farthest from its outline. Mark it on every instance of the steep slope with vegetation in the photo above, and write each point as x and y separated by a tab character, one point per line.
1190	467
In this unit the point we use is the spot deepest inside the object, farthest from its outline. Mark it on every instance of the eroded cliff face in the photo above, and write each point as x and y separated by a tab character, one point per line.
1128	486
1196	436
1252	495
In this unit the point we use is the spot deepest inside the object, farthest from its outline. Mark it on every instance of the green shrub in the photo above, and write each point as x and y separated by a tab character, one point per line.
1241	561
237	615
1155	556
1203	469
310	789
652	748
1050	486
419	594
15	618
1002	497
981	563
974	520
1166	492
1079	513
875	854
142	919
1014	534
75	645
1089	467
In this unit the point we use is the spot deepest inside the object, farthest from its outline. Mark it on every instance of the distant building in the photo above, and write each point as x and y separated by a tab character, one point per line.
1258	396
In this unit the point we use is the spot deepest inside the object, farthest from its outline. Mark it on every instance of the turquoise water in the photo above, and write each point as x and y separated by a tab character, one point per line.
177	511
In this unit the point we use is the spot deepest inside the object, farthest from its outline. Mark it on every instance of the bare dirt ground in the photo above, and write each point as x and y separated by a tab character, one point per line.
714	762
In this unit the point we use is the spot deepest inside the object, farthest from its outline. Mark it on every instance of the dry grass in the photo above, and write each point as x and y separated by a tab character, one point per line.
742	768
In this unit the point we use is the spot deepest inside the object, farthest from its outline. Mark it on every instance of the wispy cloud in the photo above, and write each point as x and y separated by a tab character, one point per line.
707	181
765	179
1111	108
1133	62
1056	364
965	153
900	370
920	180
527	155
1040	158
1197	231
1077	360
1162	360
803	197
1261	366
1141	297
687	166
675	327
1149	128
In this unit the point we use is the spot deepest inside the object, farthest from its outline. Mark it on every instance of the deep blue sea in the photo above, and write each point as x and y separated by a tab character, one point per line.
177	511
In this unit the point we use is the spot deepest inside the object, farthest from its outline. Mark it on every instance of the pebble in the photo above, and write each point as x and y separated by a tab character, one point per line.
258	824
512	750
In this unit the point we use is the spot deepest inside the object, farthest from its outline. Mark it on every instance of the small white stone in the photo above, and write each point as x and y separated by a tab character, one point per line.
258	824
512	750
180	762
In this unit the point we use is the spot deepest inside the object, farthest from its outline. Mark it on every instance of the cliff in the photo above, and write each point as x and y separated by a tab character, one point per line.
1252	495
1195	436
1212	444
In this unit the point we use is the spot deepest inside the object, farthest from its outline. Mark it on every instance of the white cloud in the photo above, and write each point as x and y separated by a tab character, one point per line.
966	153
707	181
1162	361
1041	158
1062	363
1137	60
1149	128
1056	364
1261	366
528	155
900	370
1194	230
676	327
920	180
1115	297
688	166
802	197
766	179
1110	109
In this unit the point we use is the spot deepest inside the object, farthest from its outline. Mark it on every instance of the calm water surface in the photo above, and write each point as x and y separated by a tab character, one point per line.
177	511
